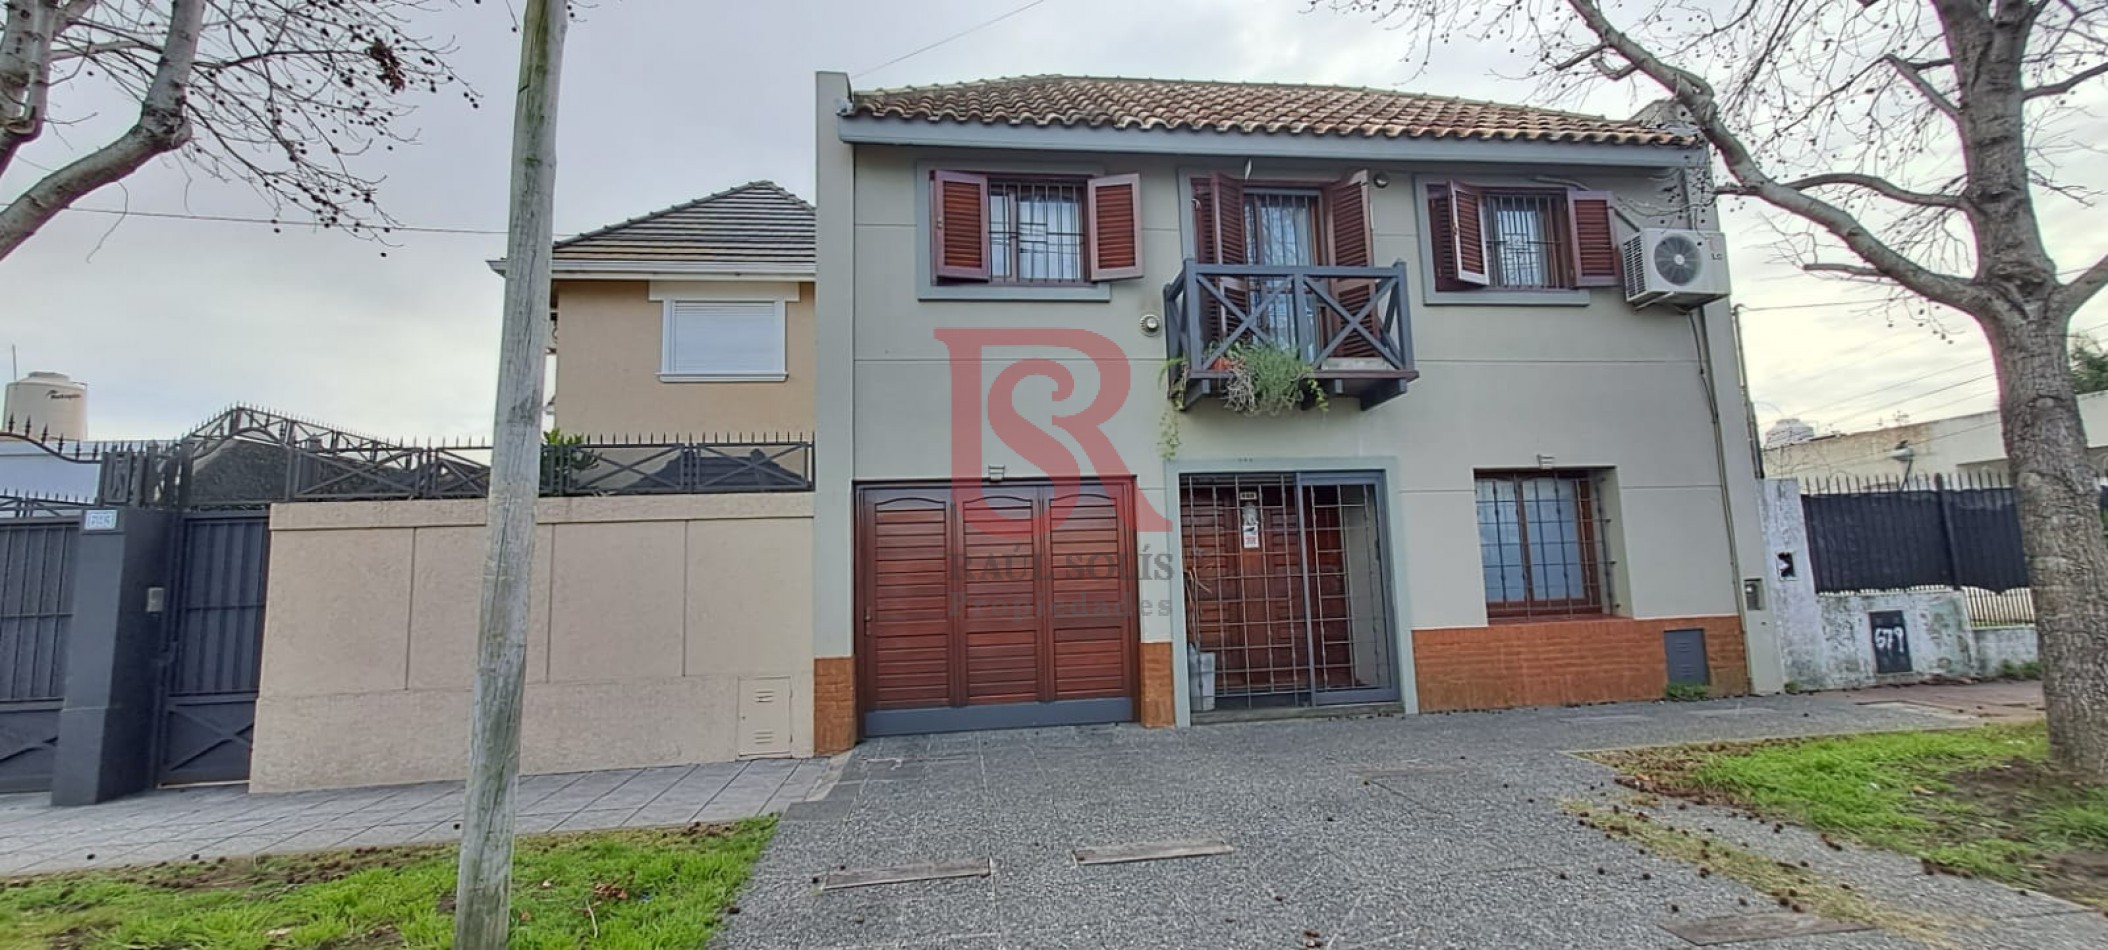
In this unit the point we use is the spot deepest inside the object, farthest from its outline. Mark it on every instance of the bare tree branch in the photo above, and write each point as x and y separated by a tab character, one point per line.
2083	287
281	95
163	126
1880	186
2066	85
1697	96
1849	270
1914	74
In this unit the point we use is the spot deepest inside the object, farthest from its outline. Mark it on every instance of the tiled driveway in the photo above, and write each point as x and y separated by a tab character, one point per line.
1434	831
176	824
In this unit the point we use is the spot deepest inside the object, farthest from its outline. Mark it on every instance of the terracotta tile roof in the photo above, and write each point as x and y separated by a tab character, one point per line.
1158	104
757	223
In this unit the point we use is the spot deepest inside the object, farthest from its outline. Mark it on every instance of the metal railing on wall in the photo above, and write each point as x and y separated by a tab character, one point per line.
248	458
1939	532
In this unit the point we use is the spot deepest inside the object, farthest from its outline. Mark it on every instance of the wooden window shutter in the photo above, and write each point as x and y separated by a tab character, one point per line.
1218	220
1347	243
1595	246
959	225
1467	231
1114	210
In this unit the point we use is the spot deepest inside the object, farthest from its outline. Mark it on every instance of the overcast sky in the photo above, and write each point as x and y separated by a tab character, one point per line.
666	100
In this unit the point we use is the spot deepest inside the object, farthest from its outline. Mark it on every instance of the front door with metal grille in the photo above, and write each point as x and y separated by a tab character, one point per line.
214	647
1287	591
36	608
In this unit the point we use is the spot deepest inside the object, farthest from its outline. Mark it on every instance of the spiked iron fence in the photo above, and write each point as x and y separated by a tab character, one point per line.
247	458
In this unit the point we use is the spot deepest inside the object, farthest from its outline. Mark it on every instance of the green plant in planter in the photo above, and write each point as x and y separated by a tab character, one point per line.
1269	379
564	455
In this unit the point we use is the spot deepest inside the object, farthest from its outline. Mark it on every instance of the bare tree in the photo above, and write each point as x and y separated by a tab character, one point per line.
1916	144
280	94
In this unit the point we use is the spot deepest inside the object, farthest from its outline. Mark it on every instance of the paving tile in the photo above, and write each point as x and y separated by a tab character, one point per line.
240	846
592	820
1469	852
382	835
317	840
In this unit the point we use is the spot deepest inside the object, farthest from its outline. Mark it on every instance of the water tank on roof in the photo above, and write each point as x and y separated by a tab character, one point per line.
48	407
1788	432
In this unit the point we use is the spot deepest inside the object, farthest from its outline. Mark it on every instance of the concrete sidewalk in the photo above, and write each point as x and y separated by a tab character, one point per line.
224	821
1999	700
1431	831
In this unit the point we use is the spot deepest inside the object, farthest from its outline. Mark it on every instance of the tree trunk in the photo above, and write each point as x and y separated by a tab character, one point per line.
2061	531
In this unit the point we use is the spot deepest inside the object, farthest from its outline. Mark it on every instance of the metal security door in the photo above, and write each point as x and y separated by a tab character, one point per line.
214	647
1287	595
36	607
1348	589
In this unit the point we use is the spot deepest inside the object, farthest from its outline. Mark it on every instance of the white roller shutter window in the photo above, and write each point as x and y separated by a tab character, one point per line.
712	339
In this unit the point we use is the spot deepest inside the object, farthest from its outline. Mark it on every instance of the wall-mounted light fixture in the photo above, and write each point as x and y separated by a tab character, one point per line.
1151	324
1546	461
1380	180
995	473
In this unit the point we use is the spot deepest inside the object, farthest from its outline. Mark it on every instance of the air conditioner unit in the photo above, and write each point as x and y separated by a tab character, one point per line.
1676	267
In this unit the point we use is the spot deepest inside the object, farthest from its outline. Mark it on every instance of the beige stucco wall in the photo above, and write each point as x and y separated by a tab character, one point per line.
651	617
1588	385
608	359
1958	445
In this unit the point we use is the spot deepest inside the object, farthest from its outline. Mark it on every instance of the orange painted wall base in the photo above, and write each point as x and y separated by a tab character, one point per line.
1566	662
833	704
1157	706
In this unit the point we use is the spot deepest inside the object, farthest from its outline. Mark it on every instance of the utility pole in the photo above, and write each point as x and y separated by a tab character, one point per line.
482	906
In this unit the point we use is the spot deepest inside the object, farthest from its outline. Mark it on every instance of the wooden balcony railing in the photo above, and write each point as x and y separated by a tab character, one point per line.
1349	323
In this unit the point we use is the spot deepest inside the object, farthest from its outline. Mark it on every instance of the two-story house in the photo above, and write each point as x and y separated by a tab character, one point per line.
690	321
1157	400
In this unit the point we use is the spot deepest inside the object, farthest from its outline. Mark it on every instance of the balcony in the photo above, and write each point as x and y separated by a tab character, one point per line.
1348	324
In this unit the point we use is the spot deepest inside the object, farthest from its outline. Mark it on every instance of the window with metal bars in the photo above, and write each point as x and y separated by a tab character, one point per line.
1524	240
1035	231
1541	544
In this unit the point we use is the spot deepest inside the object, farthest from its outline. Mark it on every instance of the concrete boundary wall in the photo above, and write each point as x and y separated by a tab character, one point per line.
666	630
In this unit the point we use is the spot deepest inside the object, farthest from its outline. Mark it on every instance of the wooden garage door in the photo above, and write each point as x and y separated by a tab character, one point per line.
966	625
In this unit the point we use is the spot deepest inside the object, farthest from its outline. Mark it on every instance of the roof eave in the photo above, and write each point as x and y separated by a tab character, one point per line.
674	270
872	130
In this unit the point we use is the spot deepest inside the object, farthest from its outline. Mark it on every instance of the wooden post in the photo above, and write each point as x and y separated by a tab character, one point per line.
482	913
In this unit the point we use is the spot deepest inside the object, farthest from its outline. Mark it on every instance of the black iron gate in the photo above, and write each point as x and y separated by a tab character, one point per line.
36	606
213	648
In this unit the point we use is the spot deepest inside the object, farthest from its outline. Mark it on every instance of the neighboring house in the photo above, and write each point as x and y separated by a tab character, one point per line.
1958	445
1521	493
691	321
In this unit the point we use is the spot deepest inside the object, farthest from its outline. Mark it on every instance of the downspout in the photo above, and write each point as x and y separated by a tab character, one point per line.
1702	343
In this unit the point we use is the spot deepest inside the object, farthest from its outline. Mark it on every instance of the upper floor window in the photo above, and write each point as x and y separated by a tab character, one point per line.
722	340
1026	230
1035	231
1292	224
1520	238
1539	543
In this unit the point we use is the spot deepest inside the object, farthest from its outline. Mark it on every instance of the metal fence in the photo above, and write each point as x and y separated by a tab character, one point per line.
37	539
1935	533
248	458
